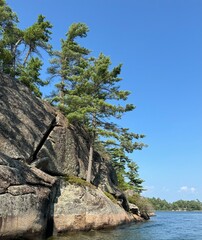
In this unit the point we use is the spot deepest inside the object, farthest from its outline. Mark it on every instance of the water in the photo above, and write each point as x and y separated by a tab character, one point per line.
164	226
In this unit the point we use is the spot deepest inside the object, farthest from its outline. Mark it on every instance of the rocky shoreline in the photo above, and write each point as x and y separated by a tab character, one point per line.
38	148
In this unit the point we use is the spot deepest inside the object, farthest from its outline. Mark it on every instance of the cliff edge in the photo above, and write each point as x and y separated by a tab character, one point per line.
39	149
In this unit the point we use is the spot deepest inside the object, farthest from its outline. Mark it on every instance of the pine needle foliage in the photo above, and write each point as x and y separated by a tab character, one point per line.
89	93
18	47
88	88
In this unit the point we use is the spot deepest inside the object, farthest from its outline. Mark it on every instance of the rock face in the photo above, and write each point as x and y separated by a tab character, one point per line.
37	147
24	120
35	132
65	150
26	195
85	208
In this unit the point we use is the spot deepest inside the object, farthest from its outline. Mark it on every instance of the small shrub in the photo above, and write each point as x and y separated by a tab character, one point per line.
78	181
142	203
111	197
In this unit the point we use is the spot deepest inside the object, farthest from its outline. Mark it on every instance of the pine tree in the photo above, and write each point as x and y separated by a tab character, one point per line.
7	17
30	76
88	93
134	180
126	168
94	97
68	65
9	34
35	38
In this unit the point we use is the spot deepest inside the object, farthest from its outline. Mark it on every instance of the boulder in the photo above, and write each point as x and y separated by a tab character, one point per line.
134	209
85	208
145	216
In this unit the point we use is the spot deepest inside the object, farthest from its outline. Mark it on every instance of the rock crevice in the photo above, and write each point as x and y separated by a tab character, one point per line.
43	140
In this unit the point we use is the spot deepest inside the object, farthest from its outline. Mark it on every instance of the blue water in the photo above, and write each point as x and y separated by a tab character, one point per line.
164	226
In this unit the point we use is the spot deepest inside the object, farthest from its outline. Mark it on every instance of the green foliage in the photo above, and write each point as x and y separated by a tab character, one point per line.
142	203
37	36
126	168
192	205
111	197
68	65
78	181
88	88
8	36
30	76
7	17
122	183
17	46
160	204
180	205
134	181
91	86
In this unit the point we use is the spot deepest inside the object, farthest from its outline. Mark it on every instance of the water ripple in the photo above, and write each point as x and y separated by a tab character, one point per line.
164	226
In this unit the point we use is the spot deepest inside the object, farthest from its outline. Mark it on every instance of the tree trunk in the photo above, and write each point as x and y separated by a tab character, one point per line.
90	163
91	150
26	57
62	94
14	54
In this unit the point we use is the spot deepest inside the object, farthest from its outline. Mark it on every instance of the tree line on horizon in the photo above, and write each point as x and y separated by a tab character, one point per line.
180	205
87	91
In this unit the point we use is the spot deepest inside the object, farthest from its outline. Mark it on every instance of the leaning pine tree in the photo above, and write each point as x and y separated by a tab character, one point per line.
68	66
102	94
95	98
87	91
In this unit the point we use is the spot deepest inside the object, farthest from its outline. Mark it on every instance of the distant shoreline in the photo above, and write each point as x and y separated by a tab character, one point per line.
178	211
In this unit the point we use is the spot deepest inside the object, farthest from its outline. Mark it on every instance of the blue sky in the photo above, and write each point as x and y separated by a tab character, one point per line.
159	43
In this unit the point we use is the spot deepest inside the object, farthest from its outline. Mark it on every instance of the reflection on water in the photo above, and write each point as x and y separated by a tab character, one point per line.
165	226
95	235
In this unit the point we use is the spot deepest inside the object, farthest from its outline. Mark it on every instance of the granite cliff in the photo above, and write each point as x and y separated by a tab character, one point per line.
38	150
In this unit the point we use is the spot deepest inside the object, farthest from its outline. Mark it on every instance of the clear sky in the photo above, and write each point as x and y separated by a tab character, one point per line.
159	43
